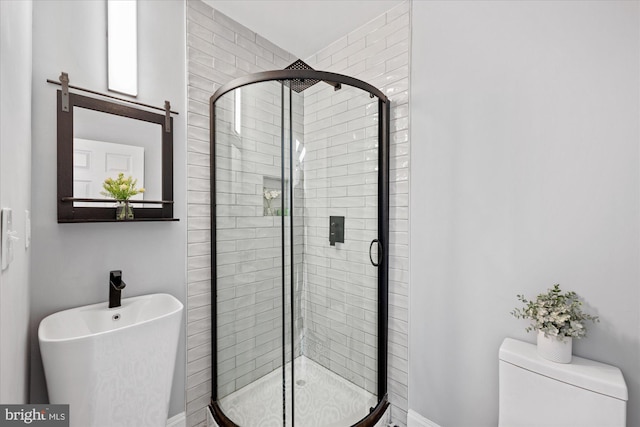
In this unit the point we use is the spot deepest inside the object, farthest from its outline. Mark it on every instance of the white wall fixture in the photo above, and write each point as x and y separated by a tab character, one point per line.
122	46
9	236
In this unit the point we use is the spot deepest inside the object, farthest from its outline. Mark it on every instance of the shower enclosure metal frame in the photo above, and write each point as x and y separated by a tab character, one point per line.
335	80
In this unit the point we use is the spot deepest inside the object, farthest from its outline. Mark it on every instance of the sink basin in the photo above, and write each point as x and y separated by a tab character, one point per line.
96	319
113	366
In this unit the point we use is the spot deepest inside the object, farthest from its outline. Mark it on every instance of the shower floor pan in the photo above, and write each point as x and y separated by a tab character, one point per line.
322	399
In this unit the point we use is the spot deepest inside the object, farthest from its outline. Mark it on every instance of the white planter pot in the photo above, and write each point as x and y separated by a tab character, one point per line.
554	349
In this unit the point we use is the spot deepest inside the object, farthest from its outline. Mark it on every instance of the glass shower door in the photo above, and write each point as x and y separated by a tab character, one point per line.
337	382
249	306
297	196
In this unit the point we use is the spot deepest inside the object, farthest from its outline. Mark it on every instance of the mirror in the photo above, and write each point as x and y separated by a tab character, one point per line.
105	145
98	139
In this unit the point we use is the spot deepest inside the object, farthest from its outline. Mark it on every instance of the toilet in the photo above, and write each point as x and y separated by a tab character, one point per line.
536	392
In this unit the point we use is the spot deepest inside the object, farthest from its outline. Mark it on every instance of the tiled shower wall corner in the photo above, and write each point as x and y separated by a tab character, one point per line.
378	53
219	50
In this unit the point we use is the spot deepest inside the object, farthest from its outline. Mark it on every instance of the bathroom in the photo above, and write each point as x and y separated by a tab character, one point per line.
514	165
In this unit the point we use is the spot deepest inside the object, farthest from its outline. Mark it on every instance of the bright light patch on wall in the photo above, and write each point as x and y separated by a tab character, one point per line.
122	46
237	122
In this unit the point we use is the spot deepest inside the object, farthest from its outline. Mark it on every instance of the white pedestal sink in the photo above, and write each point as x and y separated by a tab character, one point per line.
113	366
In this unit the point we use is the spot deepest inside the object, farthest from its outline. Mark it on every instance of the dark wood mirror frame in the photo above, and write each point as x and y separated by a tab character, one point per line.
67	212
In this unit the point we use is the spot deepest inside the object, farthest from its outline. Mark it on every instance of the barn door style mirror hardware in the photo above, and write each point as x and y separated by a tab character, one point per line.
100	139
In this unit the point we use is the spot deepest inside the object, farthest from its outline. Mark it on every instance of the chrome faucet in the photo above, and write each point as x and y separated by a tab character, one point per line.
115	287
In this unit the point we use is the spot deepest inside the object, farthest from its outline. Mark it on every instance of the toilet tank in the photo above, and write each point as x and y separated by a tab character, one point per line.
536	392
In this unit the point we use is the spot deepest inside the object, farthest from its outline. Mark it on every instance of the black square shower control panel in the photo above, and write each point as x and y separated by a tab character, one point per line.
336	230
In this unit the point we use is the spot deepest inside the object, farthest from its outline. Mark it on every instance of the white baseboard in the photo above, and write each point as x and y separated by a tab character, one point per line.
178	420
414	419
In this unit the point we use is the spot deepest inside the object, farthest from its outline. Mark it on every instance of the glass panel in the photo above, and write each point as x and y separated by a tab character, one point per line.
336	379
293	223
248	271
296	312
285	216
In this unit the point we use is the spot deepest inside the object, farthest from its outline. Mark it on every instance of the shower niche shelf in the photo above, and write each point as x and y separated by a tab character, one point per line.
272	196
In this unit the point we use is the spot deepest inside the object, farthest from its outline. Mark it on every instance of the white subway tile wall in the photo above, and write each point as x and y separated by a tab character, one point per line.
249	274
338	141
249	254
377	53
340	288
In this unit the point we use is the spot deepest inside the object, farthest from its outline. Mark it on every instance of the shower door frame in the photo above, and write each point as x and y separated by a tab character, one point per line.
384	108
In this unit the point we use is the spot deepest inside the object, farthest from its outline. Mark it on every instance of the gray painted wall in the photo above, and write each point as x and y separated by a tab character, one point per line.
525	130
71	262
15	193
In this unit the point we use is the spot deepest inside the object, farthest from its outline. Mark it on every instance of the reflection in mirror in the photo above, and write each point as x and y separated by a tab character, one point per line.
99	139
95	161
105	145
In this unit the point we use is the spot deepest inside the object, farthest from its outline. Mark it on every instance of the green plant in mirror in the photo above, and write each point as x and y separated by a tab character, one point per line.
121	188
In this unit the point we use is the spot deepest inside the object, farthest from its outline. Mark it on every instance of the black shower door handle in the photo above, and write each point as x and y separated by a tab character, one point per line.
375	264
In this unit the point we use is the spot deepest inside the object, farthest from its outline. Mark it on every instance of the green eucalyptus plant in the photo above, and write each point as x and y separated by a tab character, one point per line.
555	313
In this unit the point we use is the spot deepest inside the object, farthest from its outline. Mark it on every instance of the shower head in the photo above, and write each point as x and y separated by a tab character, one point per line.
298	85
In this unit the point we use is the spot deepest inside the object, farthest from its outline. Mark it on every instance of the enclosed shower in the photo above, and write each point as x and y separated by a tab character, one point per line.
300	225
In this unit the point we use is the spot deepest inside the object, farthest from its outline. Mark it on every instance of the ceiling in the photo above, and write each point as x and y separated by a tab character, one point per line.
302	27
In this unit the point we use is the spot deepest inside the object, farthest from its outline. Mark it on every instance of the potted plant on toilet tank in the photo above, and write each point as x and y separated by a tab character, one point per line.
558	318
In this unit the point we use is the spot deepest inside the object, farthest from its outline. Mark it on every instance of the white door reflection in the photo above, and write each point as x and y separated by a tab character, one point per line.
94	161
92	129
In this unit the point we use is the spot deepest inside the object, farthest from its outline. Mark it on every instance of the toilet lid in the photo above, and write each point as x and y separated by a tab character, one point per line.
588	374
